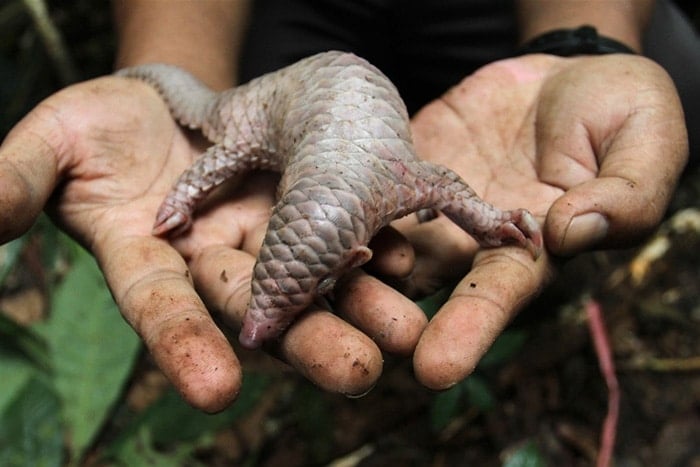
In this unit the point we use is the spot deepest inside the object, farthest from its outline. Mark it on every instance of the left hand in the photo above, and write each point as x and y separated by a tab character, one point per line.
592	146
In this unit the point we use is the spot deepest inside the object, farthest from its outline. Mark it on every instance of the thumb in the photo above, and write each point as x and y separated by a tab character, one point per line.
606	212
618	159
29	171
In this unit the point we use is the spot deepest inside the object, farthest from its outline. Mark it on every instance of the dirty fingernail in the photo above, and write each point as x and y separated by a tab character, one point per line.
583	231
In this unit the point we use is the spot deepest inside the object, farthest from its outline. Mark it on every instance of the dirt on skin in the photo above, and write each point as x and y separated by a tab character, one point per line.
550	394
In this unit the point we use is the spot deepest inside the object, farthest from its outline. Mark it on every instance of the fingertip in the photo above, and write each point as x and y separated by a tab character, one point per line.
581	232
215	396
17	209
199	361
447	351
607	212
393	254
393	321
332	354
478	310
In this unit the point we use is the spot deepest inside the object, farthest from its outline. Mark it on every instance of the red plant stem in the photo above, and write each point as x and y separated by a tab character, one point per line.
603	350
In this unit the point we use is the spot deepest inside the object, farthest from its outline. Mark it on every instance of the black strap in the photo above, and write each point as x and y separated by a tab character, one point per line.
584	40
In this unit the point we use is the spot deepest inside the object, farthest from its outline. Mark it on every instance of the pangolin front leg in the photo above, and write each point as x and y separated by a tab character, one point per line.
210	170
337	130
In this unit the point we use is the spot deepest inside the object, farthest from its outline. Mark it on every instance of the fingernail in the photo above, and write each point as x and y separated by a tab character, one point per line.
583	231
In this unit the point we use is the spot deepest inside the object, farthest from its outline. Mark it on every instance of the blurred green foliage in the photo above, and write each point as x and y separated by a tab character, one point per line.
63	379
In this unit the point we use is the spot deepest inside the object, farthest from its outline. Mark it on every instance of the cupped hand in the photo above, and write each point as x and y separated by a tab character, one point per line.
101	156
592	146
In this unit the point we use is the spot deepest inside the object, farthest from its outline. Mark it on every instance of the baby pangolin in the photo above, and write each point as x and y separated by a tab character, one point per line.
338	132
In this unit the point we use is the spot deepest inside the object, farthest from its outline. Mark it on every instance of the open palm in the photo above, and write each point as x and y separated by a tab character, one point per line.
592	146
104	154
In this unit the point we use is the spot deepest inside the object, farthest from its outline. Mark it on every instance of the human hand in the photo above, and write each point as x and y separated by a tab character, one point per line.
103	155
592	146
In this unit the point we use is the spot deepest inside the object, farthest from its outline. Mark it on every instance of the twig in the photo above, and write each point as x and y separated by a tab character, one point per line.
607	368
354	458
663	364
51	37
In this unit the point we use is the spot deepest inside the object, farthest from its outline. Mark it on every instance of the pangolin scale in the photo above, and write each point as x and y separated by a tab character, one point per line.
338	132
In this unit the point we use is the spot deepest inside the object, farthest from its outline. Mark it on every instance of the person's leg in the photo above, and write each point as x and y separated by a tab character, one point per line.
672	42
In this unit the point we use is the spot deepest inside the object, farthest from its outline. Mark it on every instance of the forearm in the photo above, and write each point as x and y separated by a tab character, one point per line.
202	36
622	20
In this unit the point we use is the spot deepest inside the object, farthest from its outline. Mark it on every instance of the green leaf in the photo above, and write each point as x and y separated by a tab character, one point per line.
14	374
30	430
527	455
312	413
58	250
92	351
432	303
9	254
140	450
175	420
504	348
444	407
171	420
22	355
23	341
478	392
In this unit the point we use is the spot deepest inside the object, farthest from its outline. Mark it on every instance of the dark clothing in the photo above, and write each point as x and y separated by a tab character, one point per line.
426	46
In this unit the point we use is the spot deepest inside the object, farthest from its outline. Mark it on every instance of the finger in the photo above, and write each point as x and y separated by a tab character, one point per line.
152	287
619	160
392	254
565	155
622	205
332	354
500	283
443	253
393	321
29	171
325	349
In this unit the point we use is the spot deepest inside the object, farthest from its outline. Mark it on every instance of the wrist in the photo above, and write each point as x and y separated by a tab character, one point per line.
583	40
622	20
202	37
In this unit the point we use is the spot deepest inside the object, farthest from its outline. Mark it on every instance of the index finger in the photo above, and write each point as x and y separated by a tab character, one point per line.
500	283
153	288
